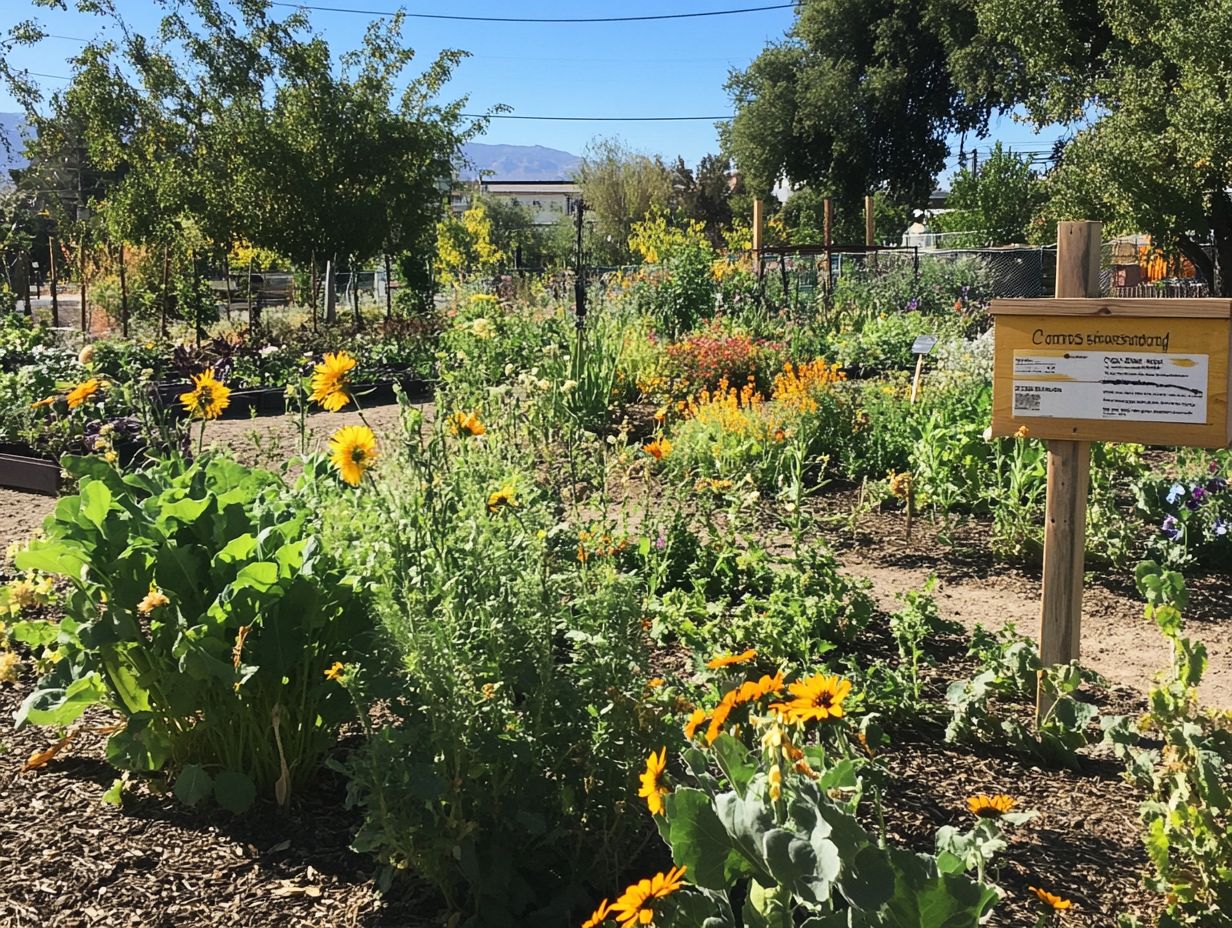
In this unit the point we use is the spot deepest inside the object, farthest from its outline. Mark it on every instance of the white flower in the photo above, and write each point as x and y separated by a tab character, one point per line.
568	386
509	369
268	350
482	328
545	385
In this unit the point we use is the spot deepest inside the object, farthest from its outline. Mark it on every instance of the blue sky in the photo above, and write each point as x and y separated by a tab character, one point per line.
658	68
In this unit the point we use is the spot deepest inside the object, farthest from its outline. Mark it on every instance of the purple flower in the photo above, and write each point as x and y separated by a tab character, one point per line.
1199	494
1175	493
661	542
1213	467
912	305
1170	528
1216	485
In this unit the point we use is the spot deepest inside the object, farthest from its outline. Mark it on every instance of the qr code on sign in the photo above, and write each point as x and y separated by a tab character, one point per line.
1026	402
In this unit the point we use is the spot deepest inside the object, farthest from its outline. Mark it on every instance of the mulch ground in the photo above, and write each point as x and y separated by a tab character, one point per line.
71	861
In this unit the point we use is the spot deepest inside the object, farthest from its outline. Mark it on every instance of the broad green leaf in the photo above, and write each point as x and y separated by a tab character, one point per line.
193	785
734	760
53	558
140	746
95	502
59	707
233	791
260	575
115	793
700	842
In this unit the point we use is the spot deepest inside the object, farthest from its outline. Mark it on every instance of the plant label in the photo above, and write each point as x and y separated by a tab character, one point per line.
923	344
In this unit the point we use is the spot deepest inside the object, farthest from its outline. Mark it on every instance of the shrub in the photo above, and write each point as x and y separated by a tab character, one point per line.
205	613
682	291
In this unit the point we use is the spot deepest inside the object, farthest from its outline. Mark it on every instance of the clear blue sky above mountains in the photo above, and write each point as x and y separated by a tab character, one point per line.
655	68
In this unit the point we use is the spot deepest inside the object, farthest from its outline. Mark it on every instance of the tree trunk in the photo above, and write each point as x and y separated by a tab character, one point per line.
1221	228
226	276
389	303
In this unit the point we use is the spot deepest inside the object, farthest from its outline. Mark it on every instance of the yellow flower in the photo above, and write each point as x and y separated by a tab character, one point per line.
635	906
696	720
900	484
208	397
482	328
22	595
1056	903
1022	432
816	699
984	805
330	380
467	423
776	782
82	392
353	450
86	357
153	600
726	660
335	671
502	498
658	449
655	682
10	666
653	789
599	916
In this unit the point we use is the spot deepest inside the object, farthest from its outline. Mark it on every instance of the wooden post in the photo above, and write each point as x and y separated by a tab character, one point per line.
1069	465
123	294
827	236
389	299
85	315
758	209
51	269
870	230
162	312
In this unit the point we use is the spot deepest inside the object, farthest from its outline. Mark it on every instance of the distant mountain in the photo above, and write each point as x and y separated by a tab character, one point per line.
11	144
517	162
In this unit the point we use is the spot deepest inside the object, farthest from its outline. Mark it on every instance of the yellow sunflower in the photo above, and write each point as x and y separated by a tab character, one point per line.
635	906
696	721
330	380
335	671
353	450
82	392
816	699
1055	902
208	397
653	789
503	498
466	423
984	805
599	916
726	660
658	449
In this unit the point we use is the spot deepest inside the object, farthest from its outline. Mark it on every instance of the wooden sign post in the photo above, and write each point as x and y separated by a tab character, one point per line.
1081	368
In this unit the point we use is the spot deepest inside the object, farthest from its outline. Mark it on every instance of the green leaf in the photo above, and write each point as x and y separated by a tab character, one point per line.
260	575
59	707
193	785
53	558
699	841
95	502
115	793
233	791
140	746
734	760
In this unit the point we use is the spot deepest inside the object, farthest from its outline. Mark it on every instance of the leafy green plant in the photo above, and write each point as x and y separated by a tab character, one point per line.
204	612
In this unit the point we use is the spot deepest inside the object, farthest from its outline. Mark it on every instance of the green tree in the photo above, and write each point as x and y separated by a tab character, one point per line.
620	187
1147	87
1000	202
803	216
861	96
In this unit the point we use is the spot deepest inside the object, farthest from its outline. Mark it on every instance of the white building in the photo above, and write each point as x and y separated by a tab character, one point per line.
545	200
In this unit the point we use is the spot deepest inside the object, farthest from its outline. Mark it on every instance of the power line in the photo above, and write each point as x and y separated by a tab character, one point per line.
598	118
520	19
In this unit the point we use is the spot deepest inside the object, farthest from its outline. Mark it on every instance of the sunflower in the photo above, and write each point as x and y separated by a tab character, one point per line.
1056	903
352	450
635	906
726	660
503	498
747	692
816	699
335	671
330	381
696	720
82	392
653	788
658	449
599	916
208	397
984	805
466	423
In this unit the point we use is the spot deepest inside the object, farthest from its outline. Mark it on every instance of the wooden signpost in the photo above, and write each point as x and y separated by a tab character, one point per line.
1082	368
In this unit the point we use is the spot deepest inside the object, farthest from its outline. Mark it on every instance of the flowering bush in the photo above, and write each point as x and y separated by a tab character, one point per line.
1194	512
680	292
701	361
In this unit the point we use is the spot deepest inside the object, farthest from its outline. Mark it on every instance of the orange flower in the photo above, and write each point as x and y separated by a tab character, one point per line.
599	916
635	906
82	392
658	449
466	423
984	805
695	722
726	660
816	699
1056	903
